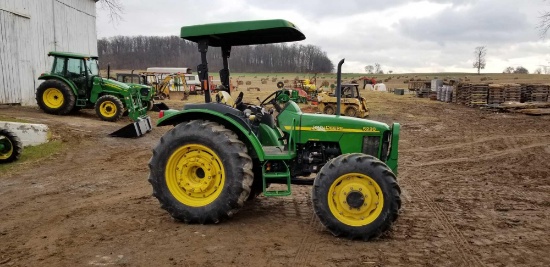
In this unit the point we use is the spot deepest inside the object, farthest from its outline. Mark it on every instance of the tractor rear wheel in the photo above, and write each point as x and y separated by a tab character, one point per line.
356	196
109	108
201	172
55	97
329	109
10	146
351	111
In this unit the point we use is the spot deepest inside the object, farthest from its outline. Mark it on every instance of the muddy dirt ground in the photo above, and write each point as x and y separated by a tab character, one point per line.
476	191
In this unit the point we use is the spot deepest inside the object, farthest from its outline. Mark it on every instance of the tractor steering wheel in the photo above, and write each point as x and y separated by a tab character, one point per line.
272	99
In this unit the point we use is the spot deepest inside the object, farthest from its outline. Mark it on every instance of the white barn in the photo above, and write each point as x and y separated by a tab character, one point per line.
29	29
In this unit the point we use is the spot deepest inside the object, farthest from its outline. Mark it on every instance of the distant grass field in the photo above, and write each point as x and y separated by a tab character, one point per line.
395	80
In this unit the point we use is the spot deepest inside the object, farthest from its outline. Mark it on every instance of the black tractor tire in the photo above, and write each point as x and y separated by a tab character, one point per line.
55	97
329	109
356	214
13	147
148	104
225	161
351	111
280	85
109	108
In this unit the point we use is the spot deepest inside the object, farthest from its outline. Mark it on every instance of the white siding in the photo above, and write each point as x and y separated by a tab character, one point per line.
29	29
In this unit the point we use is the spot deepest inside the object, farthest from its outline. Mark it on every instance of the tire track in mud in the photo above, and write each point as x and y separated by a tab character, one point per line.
483	156
461	244
311	239
505	138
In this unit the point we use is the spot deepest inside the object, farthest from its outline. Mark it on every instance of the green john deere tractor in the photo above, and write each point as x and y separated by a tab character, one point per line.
74	83
221	153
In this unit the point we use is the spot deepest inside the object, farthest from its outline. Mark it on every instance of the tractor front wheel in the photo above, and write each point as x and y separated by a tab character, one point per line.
55	97
10	146
109	108
201	172
148	104
356	196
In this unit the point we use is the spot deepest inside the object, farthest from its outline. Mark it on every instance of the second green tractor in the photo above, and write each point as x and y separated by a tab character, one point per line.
74	83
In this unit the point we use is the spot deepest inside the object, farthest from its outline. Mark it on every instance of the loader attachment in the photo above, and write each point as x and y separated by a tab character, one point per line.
160	106
135	129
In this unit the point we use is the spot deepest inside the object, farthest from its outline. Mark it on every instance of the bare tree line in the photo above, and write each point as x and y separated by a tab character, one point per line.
140	52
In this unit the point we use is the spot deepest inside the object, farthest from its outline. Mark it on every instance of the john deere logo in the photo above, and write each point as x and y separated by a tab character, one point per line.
326	128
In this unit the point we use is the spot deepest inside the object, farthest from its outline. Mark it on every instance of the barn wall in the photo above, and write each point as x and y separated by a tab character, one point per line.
29	29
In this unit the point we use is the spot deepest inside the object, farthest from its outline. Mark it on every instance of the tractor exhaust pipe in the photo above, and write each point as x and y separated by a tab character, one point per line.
108	71
339	86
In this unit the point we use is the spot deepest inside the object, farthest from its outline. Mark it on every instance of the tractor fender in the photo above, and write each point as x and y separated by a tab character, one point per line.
230	121
56	77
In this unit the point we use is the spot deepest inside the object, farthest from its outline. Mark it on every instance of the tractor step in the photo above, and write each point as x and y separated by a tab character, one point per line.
81	102
279	177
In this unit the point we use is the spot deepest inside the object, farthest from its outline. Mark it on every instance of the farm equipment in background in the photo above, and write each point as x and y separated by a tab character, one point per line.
286	94
166	83
366	80
219	154
352	103
74	83
307	86
11	146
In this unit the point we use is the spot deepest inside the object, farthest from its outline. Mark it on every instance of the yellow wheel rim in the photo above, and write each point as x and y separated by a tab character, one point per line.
5	142
195	175
355	199
107	109
53	98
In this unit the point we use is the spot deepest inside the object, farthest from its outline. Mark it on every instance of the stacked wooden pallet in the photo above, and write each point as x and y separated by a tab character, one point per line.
478	94
539	93
496	94
460	95
526	92
512	92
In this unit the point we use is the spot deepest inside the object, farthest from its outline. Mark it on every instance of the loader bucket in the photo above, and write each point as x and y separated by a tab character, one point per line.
160	106
135	129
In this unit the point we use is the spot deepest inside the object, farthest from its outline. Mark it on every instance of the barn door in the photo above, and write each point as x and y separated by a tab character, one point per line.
15	67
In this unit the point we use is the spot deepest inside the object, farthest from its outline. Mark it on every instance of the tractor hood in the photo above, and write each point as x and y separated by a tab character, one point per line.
332	123
116	85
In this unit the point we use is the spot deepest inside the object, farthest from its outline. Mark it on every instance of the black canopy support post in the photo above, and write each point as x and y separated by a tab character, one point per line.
339	86
202	70
224	73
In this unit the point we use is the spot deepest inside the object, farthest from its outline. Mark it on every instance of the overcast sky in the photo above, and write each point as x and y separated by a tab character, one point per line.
403	36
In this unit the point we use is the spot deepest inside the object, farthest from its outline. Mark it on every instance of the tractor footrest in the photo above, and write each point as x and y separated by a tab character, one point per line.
277	153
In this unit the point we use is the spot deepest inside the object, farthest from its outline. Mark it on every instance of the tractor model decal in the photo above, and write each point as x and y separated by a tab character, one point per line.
320	128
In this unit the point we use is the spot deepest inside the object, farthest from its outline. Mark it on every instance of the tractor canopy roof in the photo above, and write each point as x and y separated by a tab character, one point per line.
243	33
71	55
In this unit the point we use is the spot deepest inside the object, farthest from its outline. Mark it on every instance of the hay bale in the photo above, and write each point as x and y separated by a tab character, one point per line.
248	82
264	81
240	82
